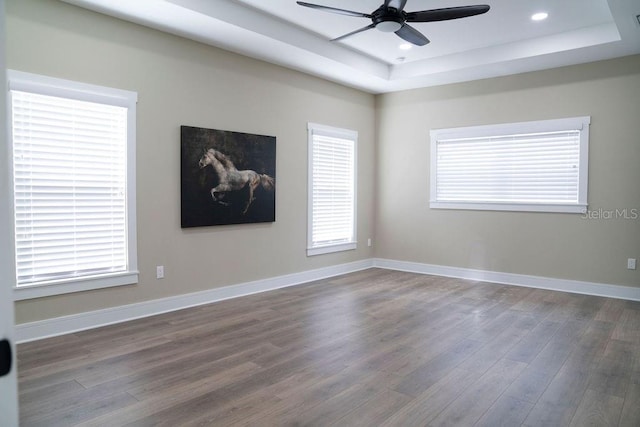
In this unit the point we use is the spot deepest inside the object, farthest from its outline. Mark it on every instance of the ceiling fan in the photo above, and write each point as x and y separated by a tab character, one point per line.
391	18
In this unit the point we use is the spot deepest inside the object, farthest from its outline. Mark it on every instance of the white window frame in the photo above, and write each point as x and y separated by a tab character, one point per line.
522	128
38	84
318	248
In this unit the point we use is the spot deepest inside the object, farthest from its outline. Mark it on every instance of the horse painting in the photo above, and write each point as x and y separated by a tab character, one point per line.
226	177
232	179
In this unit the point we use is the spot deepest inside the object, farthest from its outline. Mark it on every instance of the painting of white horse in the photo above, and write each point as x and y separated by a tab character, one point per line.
231	179
227	177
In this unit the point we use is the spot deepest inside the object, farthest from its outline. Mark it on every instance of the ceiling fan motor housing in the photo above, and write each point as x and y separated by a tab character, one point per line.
388	20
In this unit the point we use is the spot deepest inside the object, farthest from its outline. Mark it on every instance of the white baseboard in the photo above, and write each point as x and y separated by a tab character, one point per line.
564	285
77	322
67	324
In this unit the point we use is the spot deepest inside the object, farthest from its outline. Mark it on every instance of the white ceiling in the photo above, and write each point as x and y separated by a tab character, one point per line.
503	41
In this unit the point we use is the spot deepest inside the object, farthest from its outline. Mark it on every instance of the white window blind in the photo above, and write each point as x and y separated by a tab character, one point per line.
503	169
70	189
332	189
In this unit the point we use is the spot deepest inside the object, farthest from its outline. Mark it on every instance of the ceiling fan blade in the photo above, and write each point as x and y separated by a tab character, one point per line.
368	27
397	4
410	34
447	13
335	10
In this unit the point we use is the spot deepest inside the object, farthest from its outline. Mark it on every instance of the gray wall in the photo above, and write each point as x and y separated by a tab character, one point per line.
180	82
562	246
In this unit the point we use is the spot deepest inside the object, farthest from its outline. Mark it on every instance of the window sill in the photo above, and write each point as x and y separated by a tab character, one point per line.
331	248
65	287
530	207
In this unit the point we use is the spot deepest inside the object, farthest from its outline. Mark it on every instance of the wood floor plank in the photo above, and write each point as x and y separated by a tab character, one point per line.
537	339
79	411
471	405
507	411
630	415
530	384
295	401
40	401
611	374
427	405
597	409
437	368
149	408
329	410
611	310
375	347
628	327
555	353
560	401
375	410
494	350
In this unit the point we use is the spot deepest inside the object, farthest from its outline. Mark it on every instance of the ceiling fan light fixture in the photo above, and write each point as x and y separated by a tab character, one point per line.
540	16
390	26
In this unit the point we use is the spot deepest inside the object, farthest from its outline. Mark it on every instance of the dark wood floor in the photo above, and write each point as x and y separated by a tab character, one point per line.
374	348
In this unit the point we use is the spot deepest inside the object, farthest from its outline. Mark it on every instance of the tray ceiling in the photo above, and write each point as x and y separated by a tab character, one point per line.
503	41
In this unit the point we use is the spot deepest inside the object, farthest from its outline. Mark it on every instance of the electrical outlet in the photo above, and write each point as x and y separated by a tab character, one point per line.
160	272
631	263
369	242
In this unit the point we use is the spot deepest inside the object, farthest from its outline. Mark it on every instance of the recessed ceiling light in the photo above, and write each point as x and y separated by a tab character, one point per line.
540	16
405	46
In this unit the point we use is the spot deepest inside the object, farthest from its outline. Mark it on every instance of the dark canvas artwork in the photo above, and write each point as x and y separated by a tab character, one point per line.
227	177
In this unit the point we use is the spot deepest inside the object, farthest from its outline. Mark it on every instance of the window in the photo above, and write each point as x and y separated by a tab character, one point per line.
532	166
73	152
332	189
